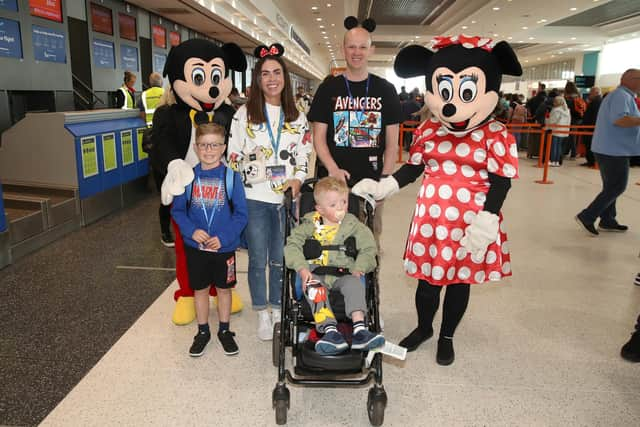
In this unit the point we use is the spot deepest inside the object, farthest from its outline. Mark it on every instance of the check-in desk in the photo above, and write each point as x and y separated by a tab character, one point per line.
64	170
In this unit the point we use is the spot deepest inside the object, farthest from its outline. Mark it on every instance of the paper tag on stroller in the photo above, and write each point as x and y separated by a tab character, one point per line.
389	349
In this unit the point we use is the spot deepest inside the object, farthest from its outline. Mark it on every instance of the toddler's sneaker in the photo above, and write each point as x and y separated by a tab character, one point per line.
366	340
228	343
200	341
331	343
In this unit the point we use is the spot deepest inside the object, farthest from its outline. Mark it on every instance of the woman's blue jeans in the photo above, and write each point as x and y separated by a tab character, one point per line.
265	238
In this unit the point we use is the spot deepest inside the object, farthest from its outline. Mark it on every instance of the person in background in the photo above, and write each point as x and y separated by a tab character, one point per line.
235	100
559	116
577	107
125	95
615	140
589	118
539	98
150	98
404	96
517	115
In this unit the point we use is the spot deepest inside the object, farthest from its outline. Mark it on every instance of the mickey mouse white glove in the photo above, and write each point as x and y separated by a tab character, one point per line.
378	189
179	175
482	231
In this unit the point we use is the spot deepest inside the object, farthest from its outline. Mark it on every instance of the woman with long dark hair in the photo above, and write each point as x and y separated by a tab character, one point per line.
270	145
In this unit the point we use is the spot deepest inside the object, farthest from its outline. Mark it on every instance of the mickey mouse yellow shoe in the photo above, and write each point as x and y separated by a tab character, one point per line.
185	311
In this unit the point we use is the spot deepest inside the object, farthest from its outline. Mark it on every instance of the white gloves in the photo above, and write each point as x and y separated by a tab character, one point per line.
179	175
378	189
482	231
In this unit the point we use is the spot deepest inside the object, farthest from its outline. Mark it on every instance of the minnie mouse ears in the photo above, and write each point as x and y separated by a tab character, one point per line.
263	51
352	22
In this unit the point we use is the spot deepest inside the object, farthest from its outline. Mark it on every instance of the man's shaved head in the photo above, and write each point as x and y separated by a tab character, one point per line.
357	33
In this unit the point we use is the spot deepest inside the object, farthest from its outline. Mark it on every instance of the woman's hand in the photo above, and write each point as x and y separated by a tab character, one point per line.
294	184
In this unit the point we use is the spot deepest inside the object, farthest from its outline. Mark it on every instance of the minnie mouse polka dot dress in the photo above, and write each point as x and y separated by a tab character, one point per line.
453	191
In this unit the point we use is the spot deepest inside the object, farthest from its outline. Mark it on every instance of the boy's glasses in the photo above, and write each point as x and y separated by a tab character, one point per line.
208	146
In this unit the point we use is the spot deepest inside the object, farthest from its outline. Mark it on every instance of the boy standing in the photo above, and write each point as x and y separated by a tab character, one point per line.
211	223
330	224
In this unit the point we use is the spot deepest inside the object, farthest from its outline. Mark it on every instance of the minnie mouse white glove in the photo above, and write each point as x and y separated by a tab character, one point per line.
482	231
179	175
378	189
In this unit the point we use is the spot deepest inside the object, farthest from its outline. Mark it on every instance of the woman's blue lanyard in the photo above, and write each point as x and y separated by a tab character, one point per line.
274	143
366	94
204	209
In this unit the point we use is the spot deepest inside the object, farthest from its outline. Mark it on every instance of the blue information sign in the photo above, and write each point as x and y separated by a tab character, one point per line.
103	54
158	62
9	5
10	42
48	44
128	57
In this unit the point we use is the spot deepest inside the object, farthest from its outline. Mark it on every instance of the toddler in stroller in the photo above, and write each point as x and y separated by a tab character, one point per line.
331	249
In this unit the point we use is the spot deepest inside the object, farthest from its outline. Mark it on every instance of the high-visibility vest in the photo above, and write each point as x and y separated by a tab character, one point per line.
150	99
128	98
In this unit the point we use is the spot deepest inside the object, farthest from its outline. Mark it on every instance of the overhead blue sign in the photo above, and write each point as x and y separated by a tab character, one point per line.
48	45
128	57
10	42
9	5
103	54
158	62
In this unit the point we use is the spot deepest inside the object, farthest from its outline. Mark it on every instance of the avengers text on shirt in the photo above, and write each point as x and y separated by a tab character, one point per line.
208	193
357	122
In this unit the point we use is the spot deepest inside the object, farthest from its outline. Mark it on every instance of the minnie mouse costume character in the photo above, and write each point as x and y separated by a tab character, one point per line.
198	71
467	160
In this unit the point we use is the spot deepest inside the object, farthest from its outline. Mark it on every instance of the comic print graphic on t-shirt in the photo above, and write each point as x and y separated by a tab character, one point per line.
208	193
357	122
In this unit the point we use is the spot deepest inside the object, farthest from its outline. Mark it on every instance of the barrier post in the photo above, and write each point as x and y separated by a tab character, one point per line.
541	150
546	162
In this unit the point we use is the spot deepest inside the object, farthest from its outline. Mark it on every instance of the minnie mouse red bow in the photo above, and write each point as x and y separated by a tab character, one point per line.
262	51
466	41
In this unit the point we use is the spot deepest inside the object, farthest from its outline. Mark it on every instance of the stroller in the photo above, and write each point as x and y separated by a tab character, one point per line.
310	369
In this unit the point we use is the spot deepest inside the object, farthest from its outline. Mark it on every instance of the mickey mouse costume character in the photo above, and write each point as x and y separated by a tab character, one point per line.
467	160
198	71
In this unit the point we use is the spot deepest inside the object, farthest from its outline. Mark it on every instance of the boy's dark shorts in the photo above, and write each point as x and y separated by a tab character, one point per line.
210	268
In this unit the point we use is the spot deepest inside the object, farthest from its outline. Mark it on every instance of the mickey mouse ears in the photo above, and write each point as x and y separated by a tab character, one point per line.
352	22
263	51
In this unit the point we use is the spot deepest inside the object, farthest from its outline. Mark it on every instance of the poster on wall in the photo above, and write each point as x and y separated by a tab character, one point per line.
141	154
101	19
109	155
11	5
174	38
48	45
128	58
10	40
89	156
103	54
159	35
127	25
158	62
47	9
126	141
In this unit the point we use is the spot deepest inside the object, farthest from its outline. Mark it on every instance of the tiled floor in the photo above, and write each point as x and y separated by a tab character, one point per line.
541	348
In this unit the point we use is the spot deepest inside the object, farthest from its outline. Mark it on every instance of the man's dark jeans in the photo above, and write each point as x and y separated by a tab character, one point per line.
614	171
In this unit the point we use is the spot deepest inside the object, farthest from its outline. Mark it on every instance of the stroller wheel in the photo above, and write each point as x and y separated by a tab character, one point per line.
376	404
275	344
281	403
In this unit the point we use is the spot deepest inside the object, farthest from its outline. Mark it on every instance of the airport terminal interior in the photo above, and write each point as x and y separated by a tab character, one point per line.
87	276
